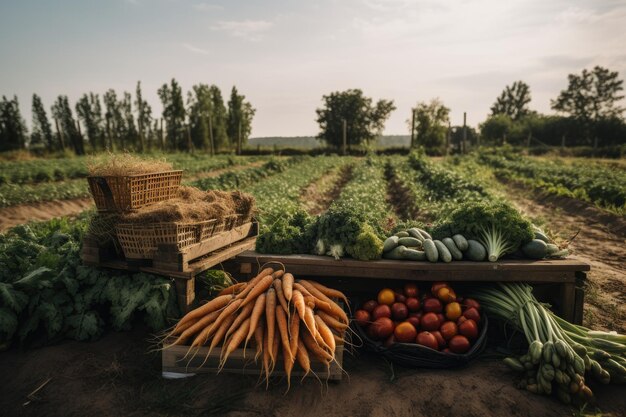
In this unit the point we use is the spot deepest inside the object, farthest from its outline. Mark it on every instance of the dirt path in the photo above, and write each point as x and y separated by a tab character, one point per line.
116	376
600	242
318	196
47	210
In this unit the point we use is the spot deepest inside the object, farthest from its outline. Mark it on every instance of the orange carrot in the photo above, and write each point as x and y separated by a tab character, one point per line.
298	303
250	284
288	364
305	292
283	332
225	313
221	331
243	314
330	292
278	274
215	304
233	289
196	327
235	341
331	321
335	310
326	333
275	347
309	321
266	357
270	319
294	331
303	358
179	329
257	313
309	300
258	289
258	338
314	348
288	286
278	286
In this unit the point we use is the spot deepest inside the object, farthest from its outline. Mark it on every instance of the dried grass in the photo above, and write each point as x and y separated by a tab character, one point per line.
114	165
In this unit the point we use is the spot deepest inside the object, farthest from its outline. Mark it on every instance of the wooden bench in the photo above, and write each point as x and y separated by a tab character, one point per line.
559	282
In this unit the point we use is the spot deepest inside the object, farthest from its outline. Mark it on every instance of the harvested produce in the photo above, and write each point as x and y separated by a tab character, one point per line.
560	354
400	317
279	317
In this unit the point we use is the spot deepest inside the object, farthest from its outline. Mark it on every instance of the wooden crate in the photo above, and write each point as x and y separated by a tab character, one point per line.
172	361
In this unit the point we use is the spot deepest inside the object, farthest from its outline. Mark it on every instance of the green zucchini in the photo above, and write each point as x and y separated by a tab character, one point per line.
414	255
431	250
390	243
551	249
535	249
414	232
424	233
454	251
396	253
542	236
410	241
403	234
475	251
444	253
460	242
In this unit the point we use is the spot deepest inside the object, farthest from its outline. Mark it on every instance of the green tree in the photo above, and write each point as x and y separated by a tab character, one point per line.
144	119
513	101
62	111
199	106
365	121
495	129
431	124
89	111
42	130
129	131
240	115
219	118
456	137
174	114
591	97
12	125
114	121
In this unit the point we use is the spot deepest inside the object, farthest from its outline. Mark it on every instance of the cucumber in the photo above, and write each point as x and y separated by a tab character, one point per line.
403	234
460	242
410	241
390	243
424	233
535	249
444	253
454	251
475	251
414	232
552	249
542	236
396	253
431	250
414	255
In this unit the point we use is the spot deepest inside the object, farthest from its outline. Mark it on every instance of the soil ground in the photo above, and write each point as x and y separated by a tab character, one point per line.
317	197
115	376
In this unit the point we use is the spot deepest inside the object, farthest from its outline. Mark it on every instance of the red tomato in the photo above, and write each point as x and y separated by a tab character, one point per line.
383	327
414	320
470	302
472	313
436	285
441	318
399	311
440	340
405	332
389	341
459	344
412	303
410	290
370	305
446	295
430	322
382	310
460	320
362	318
432	305
469	329
427	339
448	330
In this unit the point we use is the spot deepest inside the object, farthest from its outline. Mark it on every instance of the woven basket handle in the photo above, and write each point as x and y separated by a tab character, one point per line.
108	194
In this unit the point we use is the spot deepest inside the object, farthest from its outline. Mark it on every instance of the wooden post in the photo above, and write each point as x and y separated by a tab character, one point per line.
60	134
412	145
141	137
189	143
448	133
345	135
211	137
239	140
464	132
109	138
162	137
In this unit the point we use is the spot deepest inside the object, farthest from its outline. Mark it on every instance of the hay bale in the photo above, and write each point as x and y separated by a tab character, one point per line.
118	165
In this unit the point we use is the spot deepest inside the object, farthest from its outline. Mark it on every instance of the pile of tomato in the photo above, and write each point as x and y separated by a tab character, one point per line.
437	319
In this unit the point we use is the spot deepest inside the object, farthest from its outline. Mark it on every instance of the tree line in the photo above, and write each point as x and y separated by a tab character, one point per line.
587	114
201	121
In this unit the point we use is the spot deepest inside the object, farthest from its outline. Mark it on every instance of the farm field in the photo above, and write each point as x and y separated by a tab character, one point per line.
580	204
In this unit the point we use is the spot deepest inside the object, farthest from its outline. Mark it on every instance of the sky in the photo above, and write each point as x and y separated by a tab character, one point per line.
285	55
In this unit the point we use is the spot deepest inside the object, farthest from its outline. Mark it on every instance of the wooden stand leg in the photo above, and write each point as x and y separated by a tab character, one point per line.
579	297
186	291
568	301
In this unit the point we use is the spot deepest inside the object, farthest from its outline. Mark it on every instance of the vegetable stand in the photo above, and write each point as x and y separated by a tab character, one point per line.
559	282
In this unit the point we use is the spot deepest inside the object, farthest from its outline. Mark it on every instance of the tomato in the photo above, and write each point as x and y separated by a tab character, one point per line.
446	295
410	290
370	305
459	344
427	339
399	311
432	305
436	285
400	298
470	302
430	322
381	311
469	329
448	330
362	318
460	320
472	313
414	320
412	303
383	327
441	318
389	341
440	340
405	332
386	296
453	311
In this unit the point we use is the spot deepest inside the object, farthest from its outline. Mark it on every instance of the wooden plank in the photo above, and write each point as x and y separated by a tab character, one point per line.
567	300
579	297
221	240
186	292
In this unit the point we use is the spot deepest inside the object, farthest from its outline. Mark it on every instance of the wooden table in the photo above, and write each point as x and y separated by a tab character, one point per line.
559	282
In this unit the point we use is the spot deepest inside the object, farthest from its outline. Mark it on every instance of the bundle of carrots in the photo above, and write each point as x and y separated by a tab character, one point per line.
297	318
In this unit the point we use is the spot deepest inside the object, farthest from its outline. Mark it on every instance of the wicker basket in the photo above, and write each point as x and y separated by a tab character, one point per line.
141	241
133	191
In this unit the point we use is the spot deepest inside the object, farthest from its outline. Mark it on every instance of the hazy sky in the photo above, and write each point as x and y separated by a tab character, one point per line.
284	55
